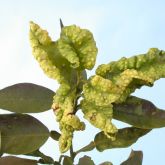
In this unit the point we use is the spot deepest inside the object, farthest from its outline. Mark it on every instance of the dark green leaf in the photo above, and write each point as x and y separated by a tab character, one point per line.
45	159
55	135
67	161
86	160
139	113
106	163
21	133
26	98
124	138
12	160
87	148
135	158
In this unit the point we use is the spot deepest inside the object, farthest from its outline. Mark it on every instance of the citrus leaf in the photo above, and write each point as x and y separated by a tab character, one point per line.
139	113
44	158
67	161
21	133
106	163
26	98
13	160
135	158
87	148
86	160
124	138
124	76
78	47
55	135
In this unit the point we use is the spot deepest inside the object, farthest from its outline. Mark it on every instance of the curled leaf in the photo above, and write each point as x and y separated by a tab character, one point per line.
47	54
131	73
100	117
64	107
21	133
115	81
124	138
78	47
139	113
26	98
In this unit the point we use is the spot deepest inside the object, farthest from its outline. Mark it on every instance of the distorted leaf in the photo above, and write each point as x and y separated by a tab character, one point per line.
78	47
26	98
67	161
87	148
21	133
139	113
55	135
106	163
135	158
124	138
86	160
13	160
119	79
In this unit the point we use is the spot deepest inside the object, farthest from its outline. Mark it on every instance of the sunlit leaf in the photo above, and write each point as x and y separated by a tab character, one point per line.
139	113
135	158
78	47
26	98
12	160
124	138
21	133
86	160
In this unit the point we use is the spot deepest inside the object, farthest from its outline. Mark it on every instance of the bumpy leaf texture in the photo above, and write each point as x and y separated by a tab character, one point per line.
65	60
114	82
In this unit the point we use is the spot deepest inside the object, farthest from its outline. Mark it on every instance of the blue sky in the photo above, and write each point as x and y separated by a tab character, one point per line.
121	28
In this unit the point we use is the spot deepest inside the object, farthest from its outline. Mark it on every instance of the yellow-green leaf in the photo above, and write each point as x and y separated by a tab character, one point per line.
78	47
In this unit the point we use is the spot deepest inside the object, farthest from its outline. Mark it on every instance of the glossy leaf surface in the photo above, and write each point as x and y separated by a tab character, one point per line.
21	133
139	113
26	98
124	138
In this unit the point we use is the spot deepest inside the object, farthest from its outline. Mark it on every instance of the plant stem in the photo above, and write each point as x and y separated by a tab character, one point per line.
72	154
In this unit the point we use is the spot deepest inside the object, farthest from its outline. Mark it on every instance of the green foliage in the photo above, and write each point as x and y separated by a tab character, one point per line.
85	160
104	96
20	98
10	160
135	158
21	133
139	113
124	138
